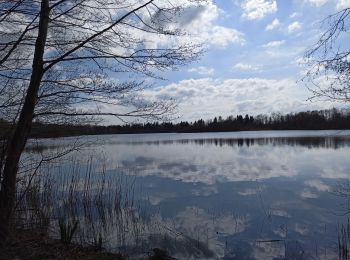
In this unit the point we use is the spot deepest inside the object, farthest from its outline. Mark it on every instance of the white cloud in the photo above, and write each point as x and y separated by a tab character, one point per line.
295	26
294	15
317	3
222	36
202	70
258	9
274	25
246	67
300	61
207	97
274	44
343	4
200	26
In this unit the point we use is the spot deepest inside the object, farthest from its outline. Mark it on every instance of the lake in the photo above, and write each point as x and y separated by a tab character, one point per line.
236	195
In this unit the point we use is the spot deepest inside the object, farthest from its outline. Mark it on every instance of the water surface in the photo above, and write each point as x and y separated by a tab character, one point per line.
241	195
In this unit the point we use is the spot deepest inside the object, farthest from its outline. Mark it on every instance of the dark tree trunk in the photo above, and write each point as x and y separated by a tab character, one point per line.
19	138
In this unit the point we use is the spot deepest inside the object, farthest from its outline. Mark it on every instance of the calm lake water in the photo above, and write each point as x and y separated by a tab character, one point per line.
241	195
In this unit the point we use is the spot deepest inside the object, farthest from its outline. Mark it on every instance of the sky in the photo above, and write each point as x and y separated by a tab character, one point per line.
253	63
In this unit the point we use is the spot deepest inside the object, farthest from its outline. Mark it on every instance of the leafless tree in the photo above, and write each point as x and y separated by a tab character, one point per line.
57	58
329	60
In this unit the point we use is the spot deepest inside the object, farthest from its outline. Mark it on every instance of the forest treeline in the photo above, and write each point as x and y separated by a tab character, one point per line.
309	120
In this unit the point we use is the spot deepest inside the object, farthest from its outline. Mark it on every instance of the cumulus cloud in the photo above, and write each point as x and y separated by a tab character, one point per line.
200	26
294	15
317	3
222	36
202	70
343	4
273	25
301	61
294	26
246	67
258	9
274	44
340	4
207	97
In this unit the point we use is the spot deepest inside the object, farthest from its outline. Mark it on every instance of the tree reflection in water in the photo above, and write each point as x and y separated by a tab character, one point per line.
232	198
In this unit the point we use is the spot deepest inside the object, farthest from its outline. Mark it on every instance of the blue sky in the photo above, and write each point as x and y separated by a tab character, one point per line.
253	63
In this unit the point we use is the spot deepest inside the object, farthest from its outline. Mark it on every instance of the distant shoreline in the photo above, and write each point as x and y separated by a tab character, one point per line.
332	119
144	133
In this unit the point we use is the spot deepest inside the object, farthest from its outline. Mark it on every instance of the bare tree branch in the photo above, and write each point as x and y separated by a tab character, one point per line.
329	60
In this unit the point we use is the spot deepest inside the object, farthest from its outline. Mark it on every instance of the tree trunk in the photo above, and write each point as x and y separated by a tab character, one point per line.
19	138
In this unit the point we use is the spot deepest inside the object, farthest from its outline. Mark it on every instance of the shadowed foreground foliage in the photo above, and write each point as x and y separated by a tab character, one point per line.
27	245
31	246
